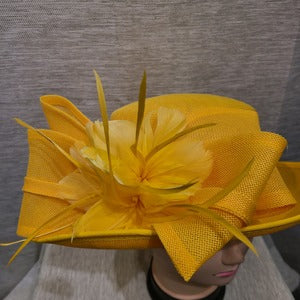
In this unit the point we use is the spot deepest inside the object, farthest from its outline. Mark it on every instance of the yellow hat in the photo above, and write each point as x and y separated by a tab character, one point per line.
183	171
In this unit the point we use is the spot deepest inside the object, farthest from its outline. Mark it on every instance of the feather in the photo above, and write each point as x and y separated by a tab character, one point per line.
229	188
78	203
141	109
68	156
175	137
231	228
102	103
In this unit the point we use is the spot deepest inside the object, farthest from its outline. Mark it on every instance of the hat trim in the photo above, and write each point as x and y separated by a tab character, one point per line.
146	233
273	224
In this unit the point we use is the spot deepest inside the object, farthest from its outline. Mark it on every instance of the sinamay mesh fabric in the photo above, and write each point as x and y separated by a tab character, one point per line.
261	203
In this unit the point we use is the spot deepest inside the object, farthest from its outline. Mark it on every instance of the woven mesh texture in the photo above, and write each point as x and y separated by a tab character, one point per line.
116	242
44	156
190	243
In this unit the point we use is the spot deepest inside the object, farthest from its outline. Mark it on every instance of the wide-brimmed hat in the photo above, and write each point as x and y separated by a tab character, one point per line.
186	172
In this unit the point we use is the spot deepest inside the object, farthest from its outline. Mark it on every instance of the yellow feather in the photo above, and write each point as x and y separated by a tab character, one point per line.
84	201
231	228
67	155
175	137
209	213
102	103
141	109
229	188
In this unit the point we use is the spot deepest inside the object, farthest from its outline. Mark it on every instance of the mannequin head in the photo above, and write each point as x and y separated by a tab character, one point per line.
219	270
